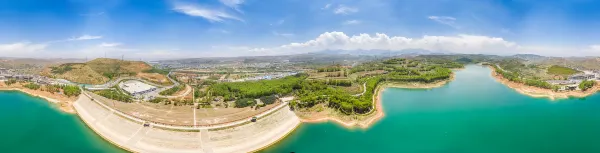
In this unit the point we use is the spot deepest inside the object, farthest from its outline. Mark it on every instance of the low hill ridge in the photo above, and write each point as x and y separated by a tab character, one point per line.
102	70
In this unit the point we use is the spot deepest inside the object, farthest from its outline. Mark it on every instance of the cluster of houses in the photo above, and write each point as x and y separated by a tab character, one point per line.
8	74
572	83
263	77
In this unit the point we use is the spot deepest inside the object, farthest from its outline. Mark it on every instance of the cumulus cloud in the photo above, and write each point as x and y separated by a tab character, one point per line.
351	22
340	41
208	13
449	21
342	9
233	4
85	37
462	43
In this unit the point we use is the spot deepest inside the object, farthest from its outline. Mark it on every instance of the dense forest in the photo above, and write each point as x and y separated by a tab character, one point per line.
257	89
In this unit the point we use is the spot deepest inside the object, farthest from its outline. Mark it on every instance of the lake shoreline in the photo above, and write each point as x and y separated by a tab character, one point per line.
64	105
369	119
540	92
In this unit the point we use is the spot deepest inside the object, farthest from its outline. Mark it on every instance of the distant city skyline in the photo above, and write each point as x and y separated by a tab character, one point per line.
162	29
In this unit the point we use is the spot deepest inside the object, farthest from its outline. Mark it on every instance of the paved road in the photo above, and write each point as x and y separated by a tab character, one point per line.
364	90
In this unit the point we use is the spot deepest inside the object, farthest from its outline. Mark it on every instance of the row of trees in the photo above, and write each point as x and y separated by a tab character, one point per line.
32	86
539	83
115	95
329	69
10	82
437	74
173	90
394	61
345	83
176	102
338	74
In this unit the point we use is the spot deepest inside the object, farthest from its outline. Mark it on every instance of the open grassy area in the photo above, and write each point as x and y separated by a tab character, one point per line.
559	70
101	70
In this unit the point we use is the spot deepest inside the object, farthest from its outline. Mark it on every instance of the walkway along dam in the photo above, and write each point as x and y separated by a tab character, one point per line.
130	133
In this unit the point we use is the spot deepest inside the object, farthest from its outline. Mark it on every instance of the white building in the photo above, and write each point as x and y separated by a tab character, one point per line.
136	88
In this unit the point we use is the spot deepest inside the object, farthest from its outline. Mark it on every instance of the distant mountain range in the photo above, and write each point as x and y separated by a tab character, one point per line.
529	57
384	52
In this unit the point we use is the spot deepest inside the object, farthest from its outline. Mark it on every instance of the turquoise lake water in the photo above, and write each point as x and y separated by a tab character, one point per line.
472	114
32	125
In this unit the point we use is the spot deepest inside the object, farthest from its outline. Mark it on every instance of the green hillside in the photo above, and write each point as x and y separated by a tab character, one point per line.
102	70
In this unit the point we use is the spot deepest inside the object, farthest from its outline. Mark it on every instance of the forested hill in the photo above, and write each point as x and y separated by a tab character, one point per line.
101	70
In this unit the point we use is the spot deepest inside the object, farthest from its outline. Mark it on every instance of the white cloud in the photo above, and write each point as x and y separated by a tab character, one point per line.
21	48
351	22
342	9
210	14
462	43
233	4
450	21
326	7
109	44
85	37
595	47
380	41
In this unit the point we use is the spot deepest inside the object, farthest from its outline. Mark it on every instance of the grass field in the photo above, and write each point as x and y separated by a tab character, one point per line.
559	70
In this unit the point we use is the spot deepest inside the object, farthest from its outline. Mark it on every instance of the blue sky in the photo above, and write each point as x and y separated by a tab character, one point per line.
155	29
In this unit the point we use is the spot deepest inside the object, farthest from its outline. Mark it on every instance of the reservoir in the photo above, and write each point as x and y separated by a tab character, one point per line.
472	114
31	125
